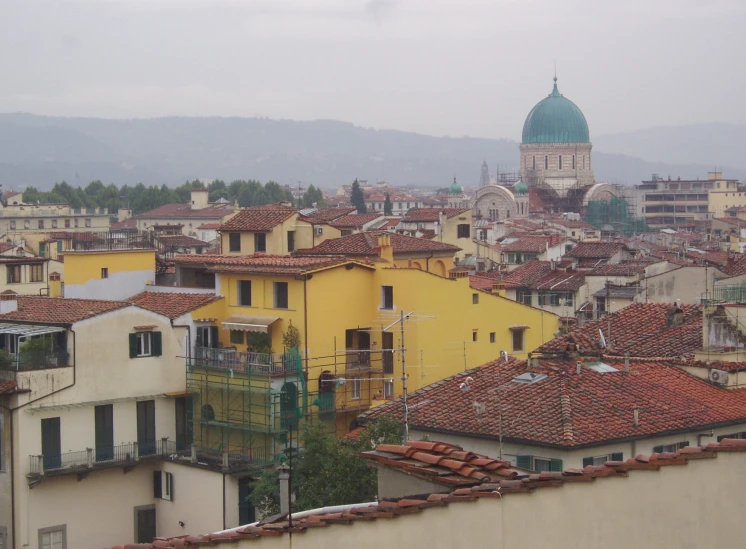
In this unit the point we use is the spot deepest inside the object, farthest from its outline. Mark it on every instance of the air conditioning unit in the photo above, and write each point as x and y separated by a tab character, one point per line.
719	377
319	231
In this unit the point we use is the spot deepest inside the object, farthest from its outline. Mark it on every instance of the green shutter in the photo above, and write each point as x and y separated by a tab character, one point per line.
587	461
617	456
214	336
683	444
556	466
42	249
133	345
157	485
657	449
156	344
524	462
59	245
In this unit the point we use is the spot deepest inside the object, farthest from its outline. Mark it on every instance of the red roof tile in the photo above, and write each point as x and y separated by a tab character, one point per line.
214	211
624	268
355	221
258	219
595	250
8	387
260	264
181	240
433	214
59	310
524	243
325	215
367	244
172	305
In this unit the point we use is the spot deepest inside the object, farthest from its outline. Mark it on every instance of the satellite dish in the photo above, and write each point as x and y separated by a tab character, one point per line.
601	339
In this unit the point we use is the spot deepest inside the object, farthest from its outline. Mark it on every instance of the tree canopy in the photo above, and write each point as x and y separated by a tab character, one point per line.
327	471
358	198
388	208
142	199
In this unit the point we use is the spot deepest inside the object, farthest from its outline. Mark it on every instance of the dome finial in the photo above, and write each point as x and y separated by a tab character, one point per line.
555	91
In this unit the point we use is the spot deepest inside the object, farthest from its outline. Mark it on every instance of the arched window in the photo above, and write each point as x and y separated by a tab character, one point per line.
534	163
546	162
208	414
573	162
560	161
327	384
288	406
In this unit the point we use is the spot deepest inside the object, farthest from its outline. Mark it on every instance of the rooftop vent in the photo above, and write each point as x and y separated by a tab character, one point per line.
600	367
529	378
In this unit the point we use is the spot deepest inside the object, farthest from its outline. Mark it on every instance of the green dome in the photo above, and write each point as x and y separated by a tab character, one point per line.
454	188
520	188
555	119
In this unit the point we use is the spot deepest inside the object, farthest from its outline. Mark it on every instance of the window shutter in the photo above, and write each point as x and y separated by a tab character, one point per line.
556	466
587	462
684	444
617	456
133	345
524	462
171	485
657	449
214	336
157	484
156	343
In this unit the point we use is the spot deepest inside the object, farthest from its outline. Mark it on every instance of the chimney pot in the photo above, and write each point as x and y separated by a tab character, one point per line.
578	367
636	417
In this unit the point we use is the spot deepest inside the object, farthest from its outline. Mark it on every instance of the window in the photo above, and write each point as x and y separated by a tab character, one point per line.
237	337
463	230
492	337
13	225
475	299
14	274
67	223
539	464
560	161
291	241
388	389
546	162
742	434
37	273
244	293
281	295
345	232
523	296
27	224
54	537
145	523
387	297
675	447
517	340
600	460
54	223
573	162
533	163
357	388
144	344
234	242
163	483
104	272
260	242
474	336
88	222
41	223
77	222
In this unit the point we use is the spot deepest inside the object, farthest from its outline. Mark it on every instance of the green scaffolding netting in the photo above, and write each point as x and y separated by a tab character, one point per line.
615	213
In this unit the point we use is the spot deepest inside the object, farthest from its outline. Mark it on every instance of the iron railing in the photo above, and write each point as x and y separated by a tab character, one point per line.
229	359
725	294
112	240
25	361
135	452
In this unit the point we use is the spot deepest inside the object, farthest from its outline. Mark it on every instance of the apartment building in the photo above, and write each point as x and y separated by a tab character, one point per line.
450	225
188	217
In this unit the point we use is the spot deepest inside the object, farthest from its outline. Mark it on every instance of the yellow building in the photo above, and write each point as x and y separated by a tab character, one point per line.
108	274
270	229
449	225
353	345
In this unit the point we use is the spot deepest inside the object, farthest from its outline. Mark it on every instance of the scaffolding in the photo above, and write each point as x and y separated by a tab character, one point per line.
616	215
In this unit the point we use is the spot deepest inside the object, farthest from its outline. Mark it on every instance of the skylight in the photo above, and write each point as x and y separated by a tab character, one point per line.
529	378
600	367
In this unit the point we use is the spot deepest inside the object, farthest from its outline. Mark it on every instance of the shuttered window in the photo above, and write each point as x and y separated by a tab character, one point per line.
144	344
539	464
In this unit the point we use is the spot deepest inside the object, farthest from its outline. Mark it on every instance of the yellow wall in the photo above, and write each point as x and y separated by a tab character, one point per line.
276	239
449	234
80	267
719	201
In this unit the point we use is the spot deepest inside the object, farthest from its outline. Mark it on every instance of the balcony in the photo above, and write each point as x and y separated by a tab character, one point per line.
241	361
131	454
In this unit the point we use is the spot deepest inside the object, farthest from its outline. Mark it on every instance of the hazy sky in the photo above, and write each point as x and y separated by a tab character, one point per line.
458	67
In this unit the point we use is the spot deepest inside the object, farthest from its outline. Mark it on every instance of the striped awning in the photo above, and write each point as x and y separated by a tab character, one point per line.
29	330
250	323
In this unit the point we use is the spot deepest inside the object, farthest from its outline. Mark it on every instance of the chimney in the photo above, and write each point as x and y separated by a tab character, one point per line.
636	417
498	287
200	199
8	302
284	479
578	367
385	249
124	214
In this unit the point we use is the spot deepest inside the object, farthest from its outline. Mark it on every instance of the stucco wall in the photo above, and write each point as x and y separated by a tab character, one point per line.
5	473
685	285
128	273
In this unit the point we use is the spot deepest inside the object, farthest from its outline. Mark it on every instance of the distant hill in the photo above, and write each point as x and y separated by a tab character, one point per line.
39	151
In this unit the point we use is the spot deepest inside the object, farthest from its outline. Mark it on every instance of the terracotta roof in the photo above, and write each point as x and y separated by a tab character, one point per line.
260	263
480	282
258	219
624	268
172	305
442	463
566	409
208	226
595	250
524	243
640	329
5	246
213	211
59	310
366	243
8	387
735	266
325	215
181	240
619	292
433	214
354	221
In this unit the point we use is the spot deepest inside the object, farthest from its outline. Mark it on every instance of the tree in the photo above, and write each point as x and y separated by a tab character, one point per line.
358	198
327	471
313	197
388	208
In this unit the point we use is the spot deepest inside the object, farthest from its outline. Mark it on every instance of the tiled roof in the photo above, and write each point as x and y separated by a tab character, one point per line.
367	244
387	223
481	282
7	387
59	310
619	292
208	226
178	211
180	240
442	463
130	224
402	508
640	329
736	266
624	268
567	409
600	250
172	305
539	275
525	243
258	219
714	257
355	221
325	215
433	214
259	264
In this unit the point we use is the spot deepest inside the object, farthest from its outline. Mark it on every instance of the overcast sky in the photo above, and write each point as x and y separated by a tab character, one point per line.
457	67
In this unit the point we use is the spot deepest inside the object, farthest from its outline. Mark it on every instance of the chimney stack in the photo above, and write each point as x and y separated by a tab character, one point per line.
578	367
636	417
284	478
8	302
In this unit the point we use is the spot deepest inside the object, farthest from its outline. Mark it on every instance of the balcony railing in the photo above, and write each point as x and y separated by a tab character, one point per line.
132	453
26	361
229	359
726	294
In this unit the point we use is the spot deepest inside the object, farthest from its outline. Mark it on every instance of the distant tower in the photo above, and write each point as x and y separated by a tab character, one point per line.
484	179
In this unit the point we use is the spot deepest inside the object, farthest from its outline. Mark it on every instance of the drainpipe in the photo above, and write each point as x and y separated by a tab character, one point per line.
427	261
12	478
305	322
